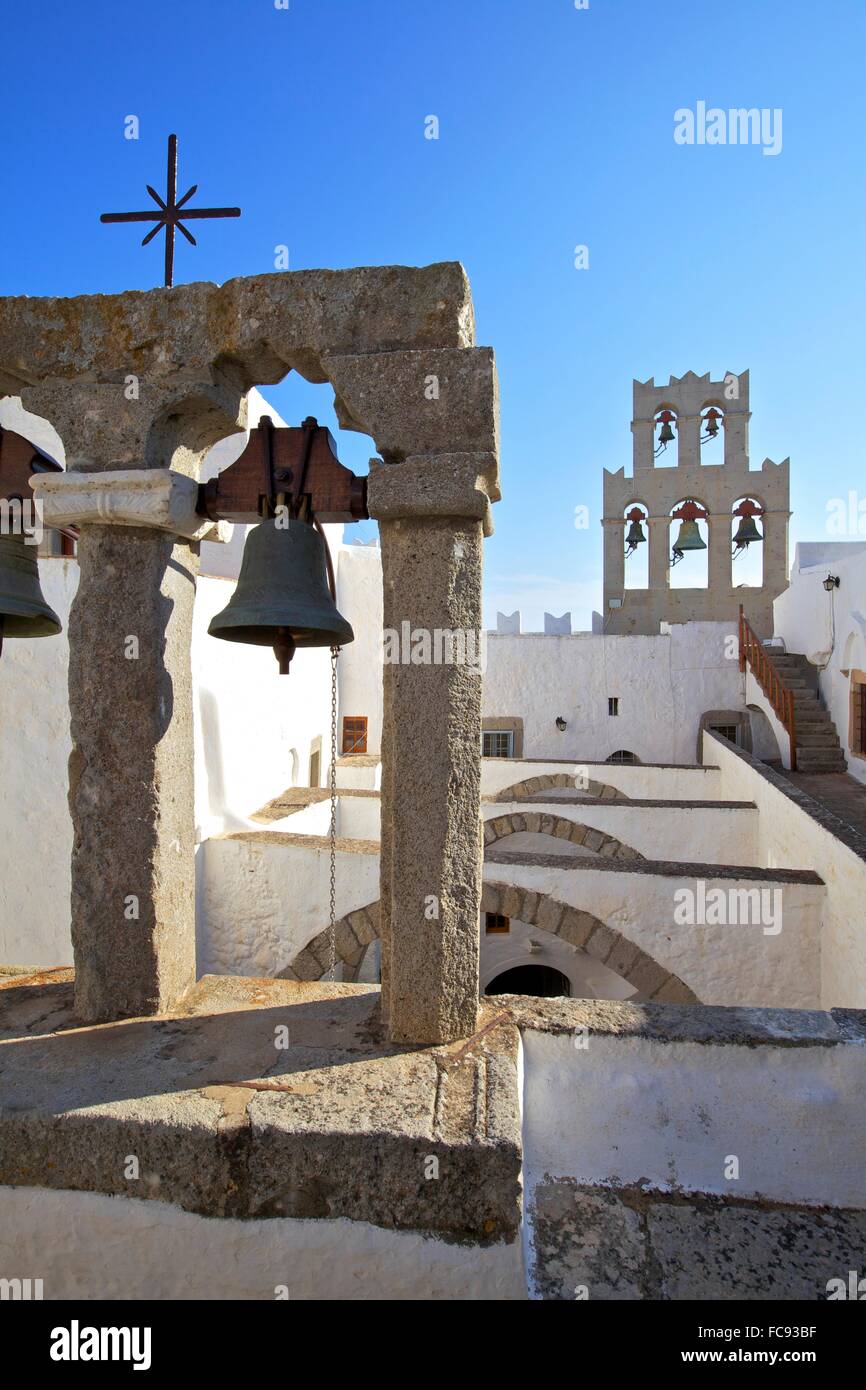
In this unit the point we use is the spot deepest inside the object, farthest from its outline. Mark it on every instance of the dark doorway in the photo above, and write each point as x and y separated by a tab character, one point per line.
540	980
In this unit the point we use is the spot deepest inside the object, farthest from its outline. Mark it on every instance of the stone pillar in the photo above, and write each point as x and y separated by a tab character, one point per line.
719	545
431	869
131	772
659	552
131	769
736	428
643	445
614	557
688	441
432	502
775	527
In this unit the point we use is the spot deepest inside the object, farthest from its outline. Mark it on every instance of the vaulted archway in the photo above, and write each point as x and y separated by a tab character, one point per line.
543	823
355	932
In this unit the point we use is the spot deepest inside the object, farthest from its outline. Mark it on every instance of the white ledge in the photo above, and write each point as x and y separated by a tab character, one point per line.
153	497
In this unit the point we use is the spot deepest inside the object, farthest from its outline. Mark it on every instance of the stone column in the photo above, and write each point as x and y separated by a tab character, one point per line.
659	552
433	507
735	424
643	445
131	769
688	441
614	558
431	870
719	552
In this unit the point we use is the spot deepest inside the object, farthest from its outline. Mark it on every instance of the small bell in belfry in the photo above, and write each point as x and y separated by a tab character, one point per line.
747	532
635	535
283	598
23	610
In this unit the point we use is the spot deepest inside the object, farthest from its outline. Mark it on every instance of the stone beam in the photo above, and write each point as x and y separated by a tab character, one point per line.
258	327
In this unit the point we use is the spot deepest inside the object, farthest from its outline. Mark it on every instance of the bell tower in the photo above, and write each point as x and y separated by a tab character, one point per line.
681	504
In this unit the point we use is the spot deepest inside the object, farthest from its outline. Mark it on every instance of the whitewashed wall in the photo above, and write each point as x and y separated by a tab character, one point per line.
664	684
656	783
789	838
35	825
830	629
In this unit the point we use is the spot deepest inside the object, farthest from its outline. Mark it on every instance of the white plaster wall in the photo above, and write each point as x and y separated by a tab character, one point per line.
84	1245
665	1115
708	835
664	684
35	825
359	598
653	783
721	964
261	901
789	838
830	629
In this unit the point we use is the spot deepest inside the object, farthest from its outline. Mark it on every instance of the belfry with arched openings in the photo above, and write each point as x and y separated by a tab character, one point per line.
703	509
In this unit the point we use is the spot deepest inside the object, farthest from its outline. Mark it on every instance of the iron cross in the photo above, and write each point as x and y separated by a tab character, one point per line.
169	212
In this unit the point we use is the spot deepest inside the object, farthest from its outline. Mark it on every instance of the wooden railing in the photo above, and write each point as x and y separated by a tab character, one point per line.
752	650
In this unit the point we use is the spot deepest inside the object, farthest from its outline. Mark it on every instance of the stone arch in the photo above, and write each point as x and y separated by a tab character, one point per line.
560	828
604	943
359	928
602	790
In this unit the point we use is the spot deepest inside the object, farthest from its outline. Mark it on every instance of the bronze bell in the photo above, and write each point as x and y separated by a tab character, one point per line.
23	610
689	538
666	433
282	599
635	536
746	533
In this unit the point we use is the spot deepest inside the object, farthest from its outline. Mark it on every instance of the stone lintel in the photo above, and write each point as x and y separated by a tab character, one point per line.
157	498
434	485
337	1124
258	327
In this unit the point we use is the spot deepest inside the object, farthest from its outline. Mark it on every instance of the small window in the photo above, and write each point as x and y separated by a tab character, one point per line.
613	704
354	733
495	924
497	743
316	767
728	731
858	719
623	755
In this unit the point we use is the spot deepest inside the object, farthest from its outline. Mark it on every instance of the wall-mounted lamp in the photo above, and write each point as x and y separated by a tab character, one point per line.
561	724
831	583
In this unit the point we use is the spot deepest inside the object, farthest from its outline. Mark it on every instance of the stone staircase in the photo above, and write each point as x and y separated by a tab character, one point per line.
818	747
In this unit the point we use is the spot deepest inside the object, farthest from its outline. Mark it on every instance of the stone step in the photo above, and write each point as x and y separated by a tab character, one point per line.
818	737
817	760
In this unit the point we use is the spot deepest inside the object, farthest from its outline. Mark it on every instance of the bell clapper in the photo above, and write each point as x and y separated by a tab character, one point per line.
284	649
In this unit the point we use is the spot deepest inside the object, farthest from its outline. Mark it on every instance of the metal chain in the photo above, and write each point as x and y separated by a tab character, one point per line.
332	929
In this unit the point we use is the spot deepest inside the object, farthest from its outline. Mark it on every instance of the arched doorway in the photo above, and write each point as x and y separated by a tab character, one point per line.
541	980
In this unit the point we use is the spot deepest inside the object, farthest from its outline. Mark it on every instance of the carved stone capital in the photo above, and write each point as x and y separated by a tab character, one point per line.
155	498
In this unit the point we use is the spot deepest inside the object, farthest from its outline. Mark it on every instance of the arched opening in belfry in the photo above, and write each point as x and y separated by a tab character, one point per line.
689	543
542	981
747	543
636	546
712	435
665	440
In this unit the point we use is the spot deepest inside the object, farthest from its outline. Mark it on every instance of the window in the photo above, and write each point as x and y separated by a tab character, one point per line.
495	924
858	718
316	767
623	755
728	731
497	743
354	733
613	704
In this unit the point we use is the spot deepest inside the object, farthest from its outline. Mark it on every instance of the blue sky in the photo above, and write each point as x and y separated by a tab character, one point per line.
556	129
